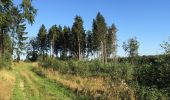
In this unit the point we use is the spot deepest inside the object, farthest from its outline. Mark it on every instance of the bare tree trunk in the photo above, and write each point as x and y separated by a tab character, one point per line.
105	52
79	55
43	56
1	46
1	43
50	49
53	47
102	52
46	55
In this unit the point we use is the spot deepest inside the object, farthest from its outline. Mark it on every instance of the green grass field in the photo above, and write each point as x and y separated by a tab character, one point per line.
29	86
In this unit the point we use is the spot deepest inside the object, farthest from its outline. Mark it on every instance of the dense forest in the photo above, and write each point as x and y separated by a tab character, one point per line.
83	64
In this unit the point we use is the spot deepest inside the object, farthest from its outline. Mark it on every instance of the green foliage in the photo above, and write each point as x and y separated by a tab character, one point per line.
154	71
42	41
29	11
131	47
32	50
5	62
12	28
89	41
5	59
112	41
122	71
148	93
90	68
21	38
149	76
166	46
99	30
78	36
100	37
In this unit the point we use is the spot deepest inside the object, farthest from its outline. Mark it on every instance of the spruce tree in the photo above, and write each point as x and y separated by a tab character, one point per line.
78	37
42	38
112	41
52	35
99	36
21	44
32	49
89	42
65	42
9	16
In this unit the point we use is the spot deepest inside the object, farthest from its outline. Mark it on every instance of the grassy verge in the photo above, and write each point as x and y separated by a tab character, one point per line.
30	86
88	87
7	80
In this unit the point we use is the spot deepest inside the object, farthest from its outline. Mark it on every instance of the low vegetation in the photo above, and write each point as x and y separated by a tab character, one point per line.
146	78
93	86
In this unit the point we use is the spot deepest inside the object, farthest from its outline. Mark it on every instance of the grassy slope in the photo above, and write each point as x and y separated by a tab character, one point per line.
88	87
7	80
29	86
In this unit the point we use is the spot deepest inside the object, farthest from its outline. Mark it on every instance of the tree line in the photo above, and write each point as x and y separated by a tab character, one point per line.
74	42
62	42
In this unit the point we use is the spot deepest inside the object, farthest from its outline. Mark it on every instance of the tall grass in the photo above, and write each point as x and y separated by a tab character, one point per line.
147	76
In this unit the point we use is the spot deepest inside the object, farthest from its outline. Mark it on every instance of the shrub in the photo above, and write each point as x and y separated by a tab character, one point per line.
153	75
148	93
122	71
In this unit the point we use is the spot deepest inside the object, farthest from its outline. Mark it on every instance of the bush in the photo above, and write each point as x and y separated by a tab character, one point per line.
151	73
154	75
122	71
148	93
90	68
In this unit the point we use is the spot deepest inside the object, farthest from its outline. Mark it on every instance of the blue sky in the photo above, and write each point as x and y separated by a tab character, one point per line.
148	20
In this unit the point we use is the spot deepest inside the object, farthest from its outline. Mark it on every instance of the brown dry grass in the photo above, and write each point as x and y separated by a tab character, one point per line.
7	81
77	82
93	85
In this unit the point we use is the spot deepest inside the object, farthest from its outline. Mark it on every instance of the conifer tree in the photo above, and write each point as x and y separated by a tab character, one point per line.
99	36
42	39
20	38
10	14
32	49
65	42
89	42
78	34
21	44
52	35
58	42
112	41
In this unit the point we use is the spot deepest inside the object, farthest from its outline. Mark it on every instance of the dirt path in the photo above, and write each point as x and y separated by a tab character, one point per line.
29	86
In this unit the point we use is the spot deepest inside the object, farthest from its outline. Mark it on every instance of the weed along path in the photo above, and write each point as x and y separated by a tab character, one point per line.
30	86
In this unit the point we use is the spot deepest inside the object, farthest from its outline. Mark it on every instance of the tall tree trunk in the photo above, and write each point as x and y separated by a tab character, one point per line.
102	52
79	54
46	56
1	43
53	47
105	52
114	48
43	55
